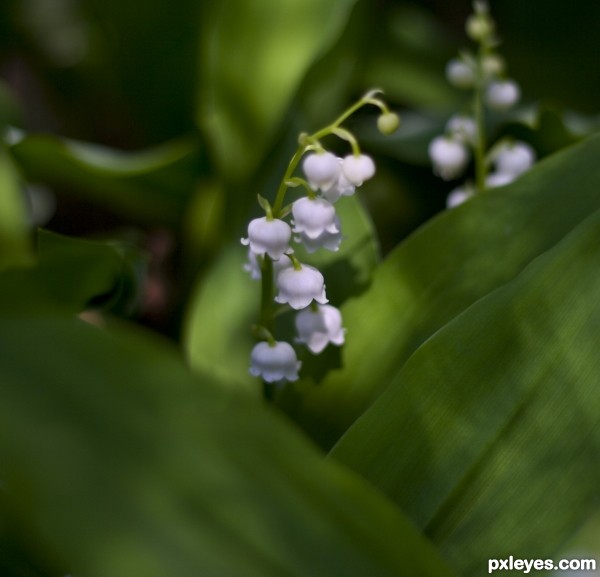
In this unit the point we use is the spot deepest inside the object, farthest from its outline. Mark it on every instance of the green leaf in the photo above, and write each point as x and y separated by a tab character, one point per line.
15	242
154	185
255	54
117	461
74	274
442	269
217	337
489	436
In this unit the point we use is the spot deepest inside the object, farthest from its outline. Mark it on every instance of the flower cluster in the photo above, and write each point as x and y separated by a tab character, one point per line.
485	74
314	224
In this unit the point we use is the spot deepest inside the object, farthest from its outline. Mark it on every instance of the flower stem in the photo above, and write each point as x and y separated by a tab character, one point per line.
266	295
480	164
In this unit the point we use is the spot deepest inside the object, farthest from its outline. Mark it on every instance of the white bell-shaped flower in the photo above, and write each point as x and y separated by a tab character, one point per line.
462	128
313	216
299	287
328	240
270	237
496	179
460	74
514	158
342	187
458	196
321	169
317	328
357	169
448	156
502	94
274	362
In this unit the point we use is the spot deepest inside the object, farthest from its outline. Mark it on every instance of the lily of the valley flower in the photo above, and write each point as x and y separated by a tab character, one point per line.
342	187
298	287
514	158
358	168
319	327
460	74
502	94
313	216
274	362
321	169
448	156
268	236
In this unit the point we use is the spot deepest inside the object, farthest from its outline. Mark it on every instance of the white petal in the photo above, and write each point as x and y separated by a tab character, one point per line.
359	168
321	169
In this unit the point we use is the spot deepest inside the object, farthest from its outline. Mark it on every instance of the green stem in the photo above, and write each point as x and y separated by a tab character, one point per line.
266	294
277	206
480	164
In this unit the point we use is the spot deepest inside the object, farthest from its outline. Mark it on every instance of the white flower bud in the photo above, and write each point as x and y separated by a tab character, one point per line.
317	328
268	236
493	65
458	196
460	74
327	240
321	169
502	94
357	169
462	128
499	179
313	216
274	363
514	158
449	157
299	288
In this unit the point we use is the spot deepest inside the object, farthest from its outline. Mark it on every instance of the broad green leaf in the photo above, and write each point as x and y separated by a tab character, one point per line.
489	436
74	274
117	461
448	264
227	302
15	242
154	185
254	56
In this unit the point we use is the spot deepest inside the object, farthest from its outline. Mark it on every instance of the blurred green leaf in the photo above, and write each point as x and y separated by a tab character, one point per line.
497	416
15	242
74	274
119	462
154	185
254	56
227	302
442	269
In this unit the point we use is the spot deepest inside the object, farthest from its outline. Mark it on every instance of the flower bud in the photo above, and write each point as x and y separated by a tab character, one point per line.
460	74
299	287
313	216
388	123
268	236
492	65
317	328
321	169
479	27
449	157
274	362
357	169
502	94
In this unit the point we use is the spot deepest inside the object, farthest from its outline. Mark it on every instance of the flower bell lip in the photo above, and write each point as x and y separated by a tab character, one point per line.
313	216
515	158
359	168
448	156
328	240
502	94
275	362
299	288
270	237
317	328
322	169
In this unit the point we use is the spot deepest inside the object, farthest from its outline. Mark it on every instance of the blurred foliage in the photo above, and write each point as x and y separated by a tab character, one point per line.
138	135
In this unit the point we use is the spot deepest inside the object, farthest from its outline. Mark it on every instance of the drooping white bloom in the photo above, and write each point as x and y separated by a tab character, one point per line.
268	236
460	74
327	240
299	288
342	187
317	328
458	196
313	216
502	94
357	169
462	128
496	179
514	158
274	363
448	156
321	169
